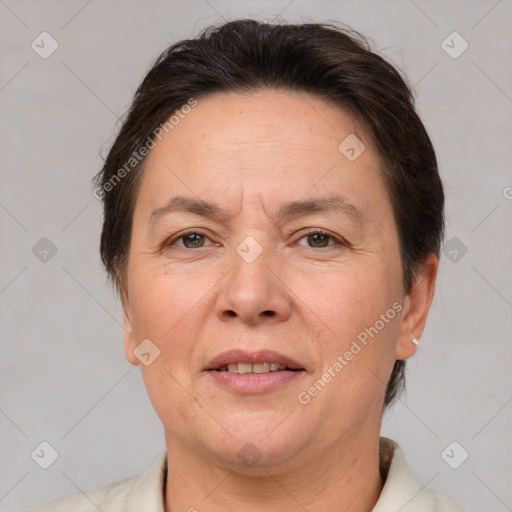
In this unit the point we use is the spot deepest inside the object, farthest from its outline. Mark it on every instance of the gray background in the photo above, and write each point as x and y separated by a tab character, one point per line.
64	376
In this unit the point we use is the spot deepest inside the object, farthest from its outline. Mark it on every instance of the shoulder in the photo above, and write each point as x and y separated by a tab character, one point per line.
401	490
444	504
144	492
111	497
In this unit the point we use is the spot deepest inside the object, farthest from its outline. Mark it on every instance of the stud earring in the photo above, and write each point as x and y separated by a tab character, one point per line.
415	341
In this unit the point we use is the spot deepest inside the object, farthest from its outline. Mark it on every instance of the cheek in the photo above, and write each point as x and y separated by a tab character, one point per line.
351	299
359	312
158	310
168	308
171	307
161	298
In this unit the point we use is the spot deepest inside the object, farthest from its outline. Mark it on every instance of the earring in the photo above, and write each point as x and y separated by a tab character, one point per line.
415	341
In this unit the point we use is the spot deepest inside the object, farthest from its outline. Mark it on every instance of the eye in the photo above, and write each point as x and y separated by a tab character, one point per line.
192	239
319	239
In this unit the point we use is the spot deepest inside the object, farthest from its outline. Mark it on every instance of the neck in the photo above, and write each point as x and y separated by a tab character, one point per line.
345	478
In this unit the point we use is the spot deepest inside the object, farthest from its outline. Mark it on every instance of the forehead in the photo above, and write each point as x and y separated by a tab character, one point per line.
272	146
265	121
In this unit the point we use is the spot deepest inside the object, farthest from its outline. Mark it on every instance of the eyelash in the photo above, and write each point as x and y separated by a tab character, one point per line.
312	232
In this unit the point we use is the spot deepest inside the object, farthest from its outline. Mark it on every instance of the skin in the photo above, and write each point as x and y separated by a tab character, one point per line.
251	153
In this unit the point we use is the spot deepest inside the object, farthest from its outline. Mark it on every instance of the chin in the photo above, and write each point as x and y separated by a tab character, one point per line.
258	441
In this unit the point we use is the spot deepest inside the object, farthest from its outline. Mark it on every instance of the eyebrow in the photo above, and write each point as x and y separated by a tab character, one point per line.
292	209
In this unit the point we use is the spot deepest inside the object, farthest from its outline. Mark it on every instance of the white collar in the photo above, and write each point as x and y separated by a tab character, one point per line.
401	490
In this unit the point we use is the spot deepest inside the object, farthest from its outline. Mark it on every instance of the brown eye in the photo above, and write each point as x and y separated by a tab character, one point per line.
190	240
319	239
194	239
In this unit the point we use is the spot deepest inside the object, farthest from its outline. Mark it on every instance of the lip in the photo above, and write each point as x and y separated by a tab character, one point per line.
261	356
253	383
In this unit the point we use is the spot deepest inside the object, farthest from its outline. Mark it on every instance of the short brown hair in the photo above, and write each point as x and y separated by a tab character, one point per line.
336	64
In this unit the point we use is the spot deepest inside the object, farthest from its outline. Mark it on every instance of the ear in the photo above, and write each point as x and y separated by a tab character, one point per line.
416	307
129	341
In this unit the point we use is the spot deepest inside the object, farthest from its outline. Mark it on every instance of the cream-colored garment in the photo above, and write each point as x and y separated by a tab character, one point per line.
401	490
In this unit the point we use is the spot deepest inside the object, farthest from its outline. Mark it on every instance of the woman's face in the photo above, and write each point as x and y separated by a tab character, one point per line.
282	249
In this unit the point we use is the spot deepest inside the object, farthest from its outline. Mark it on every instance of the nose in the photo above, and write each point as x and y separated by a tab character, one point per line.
254	292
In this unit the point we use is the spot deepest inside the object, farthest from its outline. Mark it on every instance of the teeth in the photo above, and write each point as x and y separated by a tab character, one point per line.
252	368
261	368
244	368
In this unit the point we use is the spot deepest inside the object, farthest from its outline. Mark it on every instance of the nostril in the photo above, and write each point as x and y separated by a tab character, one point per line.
269	313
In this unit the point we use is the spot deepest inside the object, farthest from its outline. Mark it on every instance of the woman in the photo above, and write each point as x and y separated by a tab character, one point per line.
273	221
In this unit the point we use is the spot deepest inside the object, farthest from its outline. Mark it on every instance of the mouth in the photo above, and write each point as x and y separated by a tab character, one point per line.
263	361
252	373
255	368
